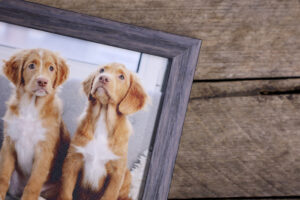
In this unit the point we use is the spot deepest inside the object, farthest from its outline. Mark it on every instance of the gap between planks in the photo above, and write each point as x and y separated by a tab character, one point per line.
205	89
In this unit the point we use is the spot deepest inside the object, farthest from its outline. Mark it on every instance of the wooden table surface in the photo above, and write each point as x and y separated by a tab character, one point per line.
241	136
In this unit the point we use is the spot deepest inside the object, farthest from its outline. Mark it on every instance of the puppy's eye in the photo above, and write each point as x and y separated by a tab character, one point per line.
121	77
31	66
101	70
51	68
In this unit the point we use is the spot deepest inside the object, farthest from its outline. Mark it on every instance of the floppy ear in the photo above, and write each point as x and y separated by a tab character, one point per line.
135	99
13	68
87	85
62	72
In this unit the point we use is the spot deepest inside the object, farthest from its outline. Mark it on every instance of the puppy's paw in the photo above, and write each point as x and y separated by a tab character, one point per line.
40	198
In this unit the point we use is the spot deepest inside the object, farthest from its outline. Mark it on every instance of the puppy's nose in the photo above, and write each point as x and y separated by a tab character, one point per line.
42	82
103	79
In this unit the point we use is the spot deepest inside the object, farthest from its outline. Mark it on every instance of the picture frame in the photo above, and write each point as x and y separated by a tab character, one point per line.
181	52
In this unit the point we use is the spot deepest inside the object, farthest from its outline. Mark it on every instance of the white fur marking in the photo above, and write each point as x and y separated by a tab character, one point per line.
26	131
40	93
41	53
96	154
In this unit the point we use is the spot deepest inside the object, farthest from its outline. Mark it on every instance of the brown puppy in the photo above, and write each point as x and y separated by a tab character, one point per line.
35	139
96	164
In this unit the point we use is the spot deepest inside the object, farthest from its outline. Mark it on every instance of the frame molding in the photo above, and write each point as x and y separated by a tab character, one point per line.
182	53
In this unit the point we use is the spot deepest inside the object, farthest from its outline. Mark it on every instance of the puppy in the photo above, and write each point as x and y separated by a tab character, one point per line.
96	164
35	138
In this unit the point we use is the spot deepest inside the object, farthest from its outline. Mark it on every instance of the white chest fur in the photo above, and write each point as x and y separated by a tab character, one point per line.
26	131
96	154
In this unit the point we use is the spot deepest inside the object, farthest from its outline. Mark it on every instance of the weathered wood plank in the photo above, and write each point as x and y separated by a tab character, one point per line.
241	38
241	145
241	198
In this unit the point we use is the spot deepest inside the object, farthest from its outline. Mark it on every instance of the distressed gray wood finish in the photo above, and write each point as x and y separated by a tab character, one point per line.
181	51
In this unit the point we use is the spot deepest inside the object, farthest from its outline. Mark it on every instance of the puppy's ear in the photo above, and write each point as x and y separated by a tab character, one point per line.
62	72
87	85
135	99
13	68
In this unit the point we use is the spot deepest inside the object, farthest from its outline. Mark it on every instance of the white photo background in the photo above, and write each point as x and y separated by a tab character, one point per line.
83	57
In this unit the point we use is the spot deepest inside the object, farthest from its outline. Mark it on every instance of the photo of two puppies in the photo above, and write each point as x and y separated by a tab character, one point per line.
38	158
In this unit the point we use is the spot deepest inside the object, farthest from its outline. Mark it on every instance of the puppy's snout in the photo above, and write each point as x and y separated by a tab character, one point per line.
104	79
42	82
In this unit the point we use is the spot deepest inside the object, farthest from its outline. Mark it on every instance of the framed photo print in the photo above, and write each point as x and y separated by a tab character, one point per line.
90	108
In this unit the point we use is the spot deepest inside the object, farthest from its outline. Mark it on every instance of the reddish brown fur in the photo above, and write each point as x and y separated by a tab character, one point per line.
49	153
119	98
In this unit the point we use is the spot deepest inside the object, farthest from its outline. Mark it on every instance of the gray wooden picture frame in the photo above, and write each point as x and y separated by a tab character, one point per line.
182	53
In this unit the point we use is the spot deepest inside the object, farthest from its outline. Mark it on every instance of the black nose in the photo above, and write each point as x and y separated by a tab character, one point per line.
104	79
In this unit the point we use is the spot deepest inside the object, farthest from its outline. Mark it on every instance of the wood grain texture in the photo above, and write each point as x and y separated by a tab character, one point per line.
241	38
238	143
242	198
